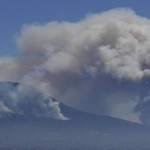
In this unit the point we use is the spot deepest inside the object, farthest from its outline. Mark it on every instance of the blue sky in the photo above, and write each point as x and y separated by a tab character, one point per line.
15	13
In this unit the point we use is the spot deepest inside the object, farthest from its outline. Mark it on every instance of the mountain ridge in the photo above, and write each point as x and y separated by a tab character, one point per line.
83	131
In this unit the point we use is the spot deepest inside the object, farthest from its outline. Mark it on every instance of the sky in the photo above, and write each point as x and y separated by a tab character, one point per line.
15	13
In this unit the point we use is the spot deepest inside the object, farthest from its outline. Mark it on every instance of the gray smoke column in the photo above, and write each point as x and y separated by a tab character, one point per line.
98	64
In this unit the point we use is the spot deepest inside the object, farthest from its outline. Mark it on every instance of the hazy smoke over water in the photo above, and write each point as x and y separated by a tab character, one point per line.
95	64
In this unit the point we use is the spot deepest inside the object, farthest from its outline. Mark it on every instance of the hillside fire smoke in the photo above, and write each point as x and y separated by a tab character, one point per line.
20	99
95	64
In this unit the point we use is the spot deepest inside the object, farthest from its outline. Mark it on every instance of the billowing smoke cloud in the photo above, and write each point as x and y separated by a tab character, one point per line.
19	99
95	64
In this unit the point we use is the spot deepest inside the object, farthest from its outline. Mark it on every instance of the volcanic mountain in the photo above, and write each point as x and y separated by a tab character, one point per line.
32	120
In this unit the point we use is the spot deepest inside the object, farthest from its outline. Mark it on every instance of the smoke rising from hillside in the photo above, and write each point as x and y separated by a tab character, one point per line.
94	64
19	99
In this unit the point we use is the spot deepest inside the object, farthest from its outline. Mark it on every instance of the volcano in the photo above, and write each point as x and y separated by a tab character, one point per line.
22	129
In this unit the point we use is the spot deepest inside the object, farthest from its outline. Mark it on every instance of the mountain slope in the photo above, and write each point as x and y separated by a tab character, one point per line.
83	131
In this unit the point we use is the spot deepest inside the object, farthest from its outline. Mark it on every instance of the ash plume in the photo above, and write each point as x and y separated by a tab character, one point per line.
96	64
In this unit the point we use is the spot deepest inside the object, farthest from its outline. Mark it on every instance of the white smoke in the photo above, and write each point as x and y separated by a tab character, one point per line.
92	64
143	109
17	98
